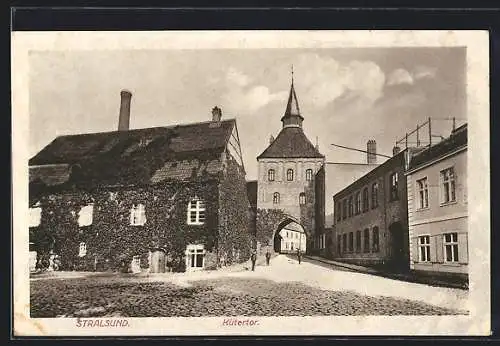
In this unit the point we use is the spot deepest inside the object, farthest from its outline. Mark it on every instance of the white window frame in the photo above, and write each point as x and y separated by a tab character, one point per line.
138	215
195	250
309	174
276	198
289	174
35	214
394	177
86	215
424	243
357	203
195	207
82	249
422	188
449	180
136	263
302	198
270	174
452	244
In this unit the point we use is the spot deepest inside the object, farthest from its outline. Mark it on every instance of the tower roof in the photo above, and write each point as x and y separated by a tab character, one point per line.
292	106
291	143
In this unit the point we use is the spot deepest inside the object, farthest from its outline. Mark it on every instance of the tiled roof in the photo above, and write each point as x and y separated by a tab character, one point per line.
141	156
293	143
457	139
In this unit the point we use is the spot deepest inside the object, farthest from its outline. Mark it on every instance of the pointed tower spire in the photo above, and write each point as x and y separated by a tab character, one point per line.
292	117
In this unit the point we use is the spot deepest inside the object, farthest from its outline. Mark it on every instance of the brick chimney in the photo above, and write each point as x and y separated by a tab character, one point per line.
396	150
124	120
371	152
216	114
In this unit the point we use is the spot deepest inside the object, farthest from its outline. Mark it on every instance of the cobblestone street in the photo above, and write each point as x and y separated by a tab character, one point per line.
284	288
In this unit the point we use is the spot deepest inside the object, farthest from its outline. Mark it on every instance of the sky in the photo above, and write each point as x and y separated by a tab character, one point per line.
346	95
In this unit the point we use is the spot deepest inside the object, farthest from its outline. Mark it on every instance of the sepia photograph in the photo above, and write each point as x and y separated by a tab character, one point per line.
238	180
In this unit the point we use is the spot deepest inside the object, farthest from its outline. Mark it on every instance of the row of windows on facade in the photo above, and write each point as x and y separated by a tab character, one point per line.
294	235
289	174
447	189
195	214
195	255
345	244
277	197
450	246
347	208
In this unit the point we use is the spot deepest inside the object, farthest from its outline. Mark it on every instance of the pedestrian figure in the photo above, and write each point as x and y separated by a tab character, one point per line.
253	258
299	255
268	257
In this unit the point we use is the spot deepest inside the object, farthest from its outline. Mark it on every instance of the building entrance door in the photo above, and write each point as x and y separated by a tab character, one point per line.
398	260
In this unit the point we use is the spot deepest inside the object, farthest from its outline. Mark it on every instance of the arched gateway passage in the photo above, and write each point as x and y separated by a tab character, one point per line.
289	236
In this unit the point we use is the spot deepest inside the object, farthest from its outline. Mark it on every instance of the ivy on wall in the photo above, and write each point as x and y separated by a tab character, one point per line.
266	223
111	240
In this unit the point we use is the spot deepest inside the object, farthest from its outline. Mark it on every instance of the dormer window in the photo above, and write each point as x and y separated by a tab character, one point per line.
138	215
196	212
85	215
270	175
289	174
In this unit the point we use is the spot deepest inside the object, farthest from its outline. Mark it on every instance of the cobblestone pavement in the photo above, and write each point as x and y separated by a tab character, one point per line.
285	288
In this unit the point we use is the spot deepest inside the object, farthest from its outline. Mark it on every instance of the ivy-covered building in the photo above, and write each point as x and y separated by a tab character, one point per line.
164	198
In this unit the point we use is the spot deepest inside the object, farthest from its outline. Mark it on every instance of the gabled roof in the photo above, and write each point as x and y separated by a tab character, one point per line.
457	139
291	143
141	156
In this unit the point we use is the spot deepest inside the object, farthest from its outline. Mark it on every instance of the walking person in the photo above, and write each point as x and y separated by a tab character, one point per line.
253	258
299	255
268	257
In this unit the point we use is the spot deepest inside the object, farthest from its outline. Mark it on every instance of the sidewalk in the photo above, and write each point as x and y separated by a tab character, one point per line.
408	277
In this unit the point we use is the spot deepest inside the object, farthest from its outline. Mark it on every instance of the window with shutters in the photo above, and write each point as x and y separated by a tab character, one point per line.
424	248
137	215
289	174
450	241
270	175
357	205
276	198
309	174
358	241
196	212
448	186
374	195
375	239
85	215
366	240
422	193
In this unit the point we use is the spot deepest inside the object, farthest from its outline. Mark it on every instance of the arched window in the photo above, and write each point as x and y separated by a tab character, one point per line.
289	174
375	239
309	174
374	195
350	207
276	198
196	212
357	206
365	199
302	198
270	175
